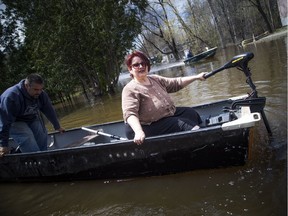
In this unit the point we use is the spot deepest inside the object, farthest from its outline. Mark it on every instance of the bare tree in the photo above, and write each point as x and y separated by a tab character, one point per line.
201	23
157	23
237	20
264	13
188	30
216	20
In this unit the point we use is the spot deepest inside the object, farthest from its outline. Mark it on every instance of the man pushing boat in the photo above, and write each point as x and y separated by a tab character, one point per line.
20	107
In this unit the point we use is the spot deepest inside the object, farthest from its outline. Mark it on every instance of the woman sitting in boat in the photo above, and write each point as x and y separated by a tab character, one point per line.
147	107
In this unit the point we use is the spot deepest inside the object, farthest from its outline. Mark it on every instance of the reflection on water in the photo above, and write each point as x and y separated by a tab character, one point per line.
258	188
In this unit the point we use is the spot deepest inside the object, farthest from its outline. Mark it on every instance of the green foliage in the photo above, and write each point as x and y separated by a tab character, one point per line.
75	43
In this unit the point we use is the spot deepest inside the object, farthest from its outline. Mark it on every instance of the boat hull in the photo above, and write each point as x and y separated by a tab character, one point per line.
73	156
157	156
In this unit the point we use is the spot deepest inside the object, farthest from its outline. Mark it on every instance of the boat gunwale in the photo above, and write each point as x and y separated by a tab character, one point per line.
185	134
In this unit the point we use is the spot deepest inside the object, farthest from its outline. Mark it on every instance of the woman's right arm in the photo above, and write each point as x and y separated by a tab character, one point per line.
130	108
134	123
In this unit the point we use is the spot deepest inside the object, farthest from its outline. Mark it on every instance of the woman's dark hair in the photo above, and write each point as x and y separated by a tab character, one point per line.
139	54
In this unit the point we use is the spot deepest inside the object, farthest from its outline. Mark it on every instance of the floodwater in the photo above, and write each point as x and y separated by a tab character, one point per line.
258	188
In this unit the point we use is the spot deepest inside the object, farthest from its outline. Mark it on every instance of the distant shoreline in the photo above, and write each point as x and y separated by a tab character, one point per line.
282	32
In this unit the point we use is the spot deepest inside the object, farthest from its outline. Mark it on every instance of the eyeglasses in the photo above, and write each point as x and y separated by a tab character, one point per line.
137	65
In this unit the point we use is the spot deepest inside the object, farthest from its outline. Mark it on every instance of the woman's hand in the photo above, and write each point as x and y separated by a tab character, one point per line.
134	123
139	137
201	76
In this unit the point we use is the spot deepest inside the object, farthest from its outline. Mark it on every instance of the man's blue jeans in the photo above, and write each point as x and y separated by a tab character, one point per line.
30	136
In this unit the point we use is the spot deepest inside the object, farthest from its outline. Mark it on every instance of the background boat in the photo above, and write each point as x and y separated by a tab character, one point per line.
201	56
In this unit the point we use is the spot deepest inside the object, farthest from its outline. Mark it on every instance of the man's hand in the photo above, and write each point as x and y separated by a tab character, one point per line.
61	130
4	150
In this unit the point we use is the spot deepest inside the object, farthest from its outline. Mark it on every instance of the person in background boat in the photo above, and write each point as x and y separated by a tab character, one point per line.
189	54
147	107
20	107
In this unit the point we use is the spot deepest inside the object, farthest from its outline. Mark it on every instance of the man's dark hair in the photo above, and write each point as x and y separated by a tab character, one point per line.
34	78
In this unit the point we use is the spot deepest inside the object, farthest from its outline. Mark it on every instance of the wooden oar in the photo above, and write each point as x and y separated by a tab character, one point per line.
103	134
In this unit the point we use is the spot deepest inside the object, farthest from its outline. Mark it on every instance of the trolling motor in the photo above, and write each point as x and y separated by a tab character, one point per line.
241	63
255	103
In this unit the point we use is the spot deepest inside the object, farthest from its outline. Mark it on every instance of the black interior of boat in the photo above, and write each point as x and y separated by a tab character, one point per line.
213	114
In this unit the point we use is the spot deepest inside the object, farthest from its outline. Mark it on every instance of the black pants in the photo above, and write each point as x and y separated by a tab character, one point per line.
184	119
